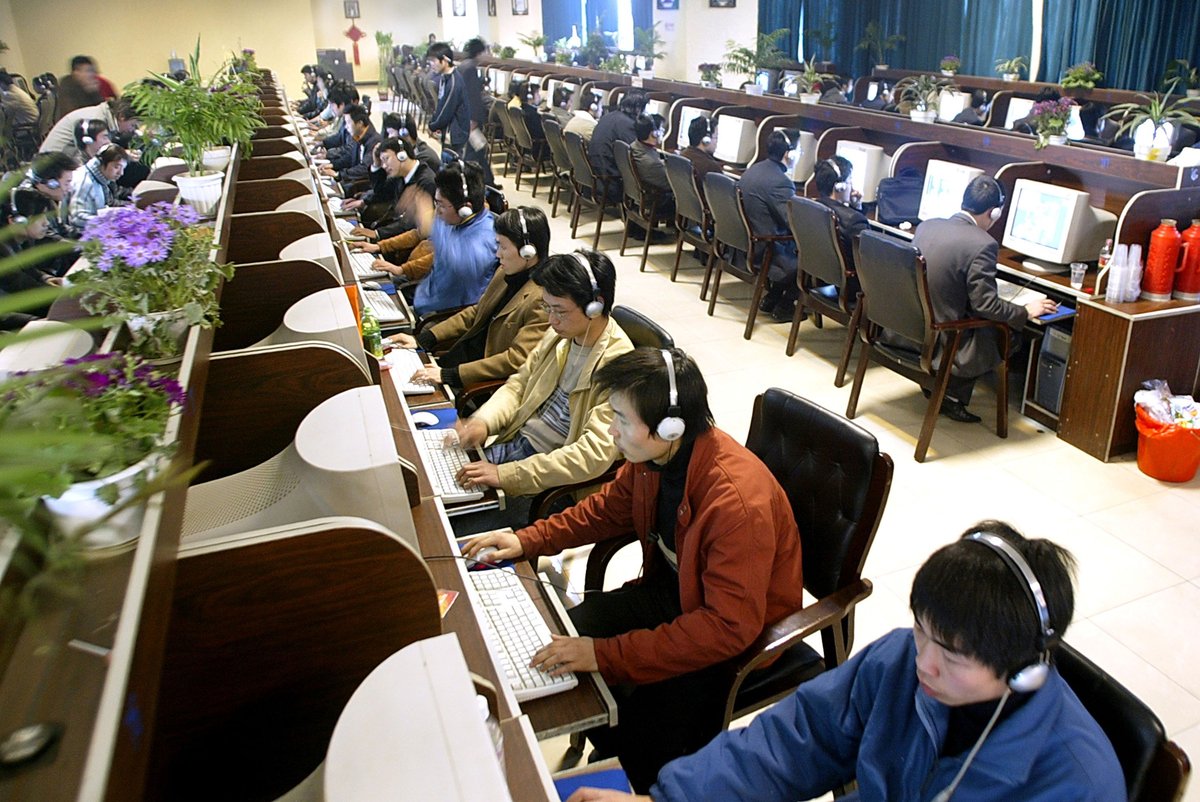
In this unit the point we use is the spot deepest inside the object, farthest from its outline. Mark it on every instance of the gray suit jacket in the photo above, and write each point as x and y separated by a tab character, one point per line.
766	188
650	167
960	259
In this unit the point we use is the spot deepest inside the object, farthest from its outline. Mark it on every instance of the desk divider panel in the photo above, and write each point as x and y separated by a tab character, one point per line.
274	147
261	167
254	302
261	236
273	132
265	195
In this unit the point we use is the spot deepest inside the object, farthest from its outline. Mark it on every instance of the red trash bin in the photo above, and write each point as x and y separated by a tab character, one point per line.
1167	451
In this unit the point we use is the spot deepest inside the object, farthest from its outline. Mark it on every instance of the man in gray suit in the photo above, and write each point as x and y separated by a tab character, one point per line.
766	187
649	164
960	258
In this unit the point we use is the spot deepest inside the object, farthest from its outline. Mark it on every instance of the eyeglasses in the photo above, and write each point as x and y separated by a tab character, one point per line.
554	311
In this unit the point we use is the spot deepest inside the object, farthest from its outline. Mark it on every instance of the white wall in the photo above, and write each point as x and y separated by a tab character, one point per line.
697	34
14	59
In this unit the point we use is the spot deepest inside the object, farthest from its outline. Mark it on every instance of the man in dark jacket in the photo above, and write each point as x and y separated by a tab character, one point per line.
354	161
79	88
702	142
612	127
832	177
766	187
452	117
648	162
473	89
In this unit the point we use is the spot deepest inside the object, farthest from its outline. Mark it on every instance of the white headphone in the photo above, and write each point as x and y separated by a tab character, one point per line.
465	210
672	426
595	307
526	251
842	185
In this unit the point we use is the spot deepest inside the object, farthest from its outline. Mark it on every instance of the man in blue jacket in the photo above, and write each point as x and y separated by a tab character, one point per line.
464	242
452	117
966	705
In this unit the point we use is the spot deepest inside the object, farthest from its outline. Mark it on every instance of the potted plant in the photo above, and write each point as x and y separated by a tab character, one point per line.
536	42
1049	118
387	57
647	44
508	52
765	55
1187	76
1083	75
151	268
877	45
122	405
1010	69
950	65
615	63
811	81
221	112
244	62
594	51
919	94
821	40
710	74
1153	123
562	52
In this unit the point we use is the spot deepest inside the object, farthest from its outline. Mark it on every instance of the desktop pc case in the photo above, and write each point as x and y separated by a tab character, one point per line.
1052	369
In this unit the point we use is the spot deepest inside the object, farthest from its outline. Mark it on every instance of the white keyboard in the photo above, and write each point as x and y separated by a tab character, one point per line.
442	464
515	630
386	308
347	230
405	362
1015	293
362	264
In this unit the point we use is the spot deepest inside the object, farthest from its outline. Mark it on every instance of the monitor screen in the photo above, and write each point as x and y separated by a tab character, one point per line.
945	183
872	90
1018	109
1055	225
500	82
951	104
767	80
806	157
686	115
868	166
736	139
657	107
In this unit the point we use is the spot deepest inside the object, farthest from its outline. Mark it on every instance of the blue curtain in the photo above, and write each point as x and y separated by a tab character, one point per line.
1068	37
992	30
602	16
643	14
776	14
1134	41
557	18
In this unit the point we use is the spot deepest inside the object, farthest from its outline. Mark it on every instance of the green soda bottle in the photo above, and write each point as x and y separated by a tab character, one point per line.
371	333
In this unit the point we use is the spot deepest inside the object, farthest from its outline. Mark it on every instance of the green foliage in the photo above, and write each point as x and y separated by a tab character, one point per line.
646	43
876	44
710	73
812	78
1180	71
1158	108
820	38
535	41
1083	75
614	63
222	111
1011	66
766	54
594	51
507	52
921	92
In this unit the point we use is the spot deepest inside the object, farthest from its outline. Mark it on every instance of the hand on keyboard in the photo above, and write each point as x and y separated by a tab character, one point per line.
364	247
427	376
471	432
479	473
507	546
564	655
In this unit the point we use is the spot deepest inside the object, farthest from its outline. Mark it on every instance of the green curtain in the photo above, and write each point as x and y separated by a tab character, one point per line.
1068	36
776	14
1135	40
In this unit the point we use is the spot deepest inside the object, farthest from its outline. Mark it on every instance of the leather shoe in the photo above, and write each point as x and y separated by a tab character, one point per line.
784	311
954	410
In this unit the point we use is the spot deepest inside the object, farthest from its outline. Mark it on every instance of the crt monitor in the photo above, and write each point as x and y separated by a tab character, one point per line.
767	80
686	115
1018	109
500	82
1055	226
951	104
657	107
945	183
736	139
869	166
872	90
806	157
325	315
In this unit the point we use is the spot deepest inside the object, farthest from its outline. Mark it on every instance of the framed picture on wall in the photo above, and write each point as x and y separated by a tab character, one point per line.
491	8
351	7
722	3
520	8
439	6
668	5
458	8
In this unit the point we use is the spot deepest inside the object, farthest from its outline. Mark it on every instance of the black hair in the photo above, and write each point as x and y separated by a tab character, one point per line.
122	109
640	376
474	47
517	88
89	129
82	61
110	153
509	225
450	183
778	145
438	51
6	80
393	121
48	166
644	126
339	95
357	114
983	193
829	172
633	103
28	202
699	128
971	600
561	275
307	69
410	125
397	145
978	99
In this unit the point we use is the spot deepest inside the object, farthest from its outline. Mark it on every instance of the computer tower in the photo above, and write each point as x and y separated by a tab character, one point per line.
335	62
1052	368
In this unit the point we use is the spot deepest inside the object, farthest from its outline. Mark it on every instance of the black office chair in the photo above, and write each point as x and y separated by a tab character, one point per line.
587	184
824	280
529	153
1156	769
733	245
691	212
562	164
895	297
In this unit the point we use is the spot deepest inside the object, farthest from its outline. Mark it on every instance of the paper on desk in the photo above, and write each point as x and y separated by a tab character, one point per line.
446	600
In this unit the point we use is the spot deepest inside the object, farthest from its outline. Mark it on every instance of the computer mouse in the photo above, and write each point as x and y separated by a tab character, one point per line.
484	558
424	420
371	285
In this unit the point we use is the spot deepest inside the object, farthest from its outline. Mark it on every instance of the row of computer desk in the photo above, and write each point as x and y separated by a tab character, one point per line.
219	669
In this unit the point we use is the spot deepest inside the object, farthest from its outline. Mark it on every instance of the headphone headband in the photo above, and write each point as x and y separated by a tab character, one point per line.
672	426
595	307
466	210
526	251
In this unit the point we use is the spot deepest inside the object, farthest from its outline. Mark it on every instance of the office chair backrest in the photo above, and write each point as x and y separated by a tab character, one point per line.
581	168
814	227
728	227
641	330
682	179
892	274
623	156
558	148
520	129
835	478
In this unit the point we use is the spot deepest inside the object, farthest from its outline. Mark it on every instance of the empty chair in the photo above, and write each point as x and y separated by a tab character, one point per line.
508	135
692	218
824	281
639	202
892	272
529	154
586	184
562	163
733	242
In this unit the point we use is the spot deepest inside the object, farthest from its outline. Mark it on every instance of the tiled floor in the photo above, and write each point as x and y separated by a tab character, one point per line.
1137	540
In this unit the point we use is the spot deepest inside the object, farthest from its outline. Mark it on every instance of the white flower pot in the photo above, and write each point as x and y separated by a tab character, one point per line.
1193	93
1011	76
80	508
927	116
1153	143
201	192
810	98
217	158
1058	139
949	73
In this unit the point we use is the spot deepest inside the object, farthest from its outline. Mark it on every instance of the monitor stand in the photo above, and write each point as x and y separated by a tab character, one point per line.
1042	266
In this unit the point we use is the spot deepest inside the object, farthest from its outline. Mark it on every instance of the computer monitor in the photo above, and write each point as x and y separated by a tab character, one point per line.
767	80
50	343
1075	129
951	104
548	87
806	157
789	83
500	82
868	166
342	462
872	90
736	139
945	183
657	107
1055	225
1018	109
686	115
325	315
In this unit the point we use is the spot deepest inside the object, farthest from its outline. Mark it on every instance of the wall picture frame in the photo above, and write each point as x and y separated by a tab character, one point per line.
667	5
722	3
439	8
458	8
491	8
520	8
351	8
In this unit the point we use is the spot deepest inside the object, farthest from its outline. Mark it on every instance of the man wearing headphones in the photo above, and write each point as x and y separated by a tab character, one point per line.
965	706
52	175
651	169
119	115
610	128
583	121
702	143
766	188
832	177
720	561
960	258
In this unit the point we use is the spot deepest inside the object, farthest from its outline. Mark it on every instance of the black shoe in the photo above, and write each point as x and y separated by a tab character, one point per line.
956	411
769	301
783	312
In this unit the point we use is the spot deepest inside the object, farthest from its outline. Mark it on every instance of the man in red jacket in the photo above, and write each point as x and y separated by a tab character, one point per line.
720	561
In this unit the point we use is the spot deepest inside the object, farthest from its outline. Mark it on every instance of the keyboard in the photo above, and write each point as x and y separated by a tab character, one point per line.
515	630
386	308
1015	293
362	264
347	230
405	362
442	463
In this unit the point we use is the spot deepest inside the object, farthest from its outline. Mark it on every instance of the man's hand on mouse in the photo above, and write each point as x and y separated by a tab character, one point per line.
507	546
1042	306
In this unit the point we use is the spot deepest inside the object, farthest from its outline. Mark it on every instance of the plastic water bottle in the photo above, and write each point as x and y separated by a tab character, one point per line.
371	333
1103	261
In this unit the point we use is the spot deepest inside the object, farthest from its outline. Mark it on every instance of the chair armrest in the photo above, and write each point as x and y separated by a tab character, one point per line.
773	237
479	392
599	558
969	323
541	505
433	318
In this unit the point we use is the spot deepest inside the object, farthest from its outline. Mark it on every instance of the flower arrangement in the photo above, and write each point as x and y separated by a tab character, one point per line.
1049	118
1083	75
244	61
951	64
146	261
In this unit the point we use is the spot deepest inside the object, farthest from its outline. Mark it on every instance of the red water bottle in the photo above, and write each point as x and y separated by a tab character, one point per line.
1161	261
1187	281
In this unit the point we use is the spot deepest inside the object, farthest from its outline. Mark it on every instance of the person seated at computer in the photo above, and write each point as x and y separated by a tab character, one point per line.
720	561
79	88
583	121
835	90
551	420
96	184
530	98
766	187
651	169
974	113
960	261
19	109
53	175
90	136
493	338
312	102
335	138
26	217
353	162
881	100
325	83
832	177
904	716
614	126
702	143
420	147
385	211
119	115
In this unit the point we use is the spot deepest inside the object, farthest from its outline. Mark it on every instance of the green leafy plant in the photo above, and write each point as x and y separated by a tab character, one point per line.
1179	71
199	114
1011	66
765	55
507	52
1083	75
646	43
950	64
921	92
876	44
534	41
1157	108
820	40
812	78
710	73
614	63
244	62
594	51
386	59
